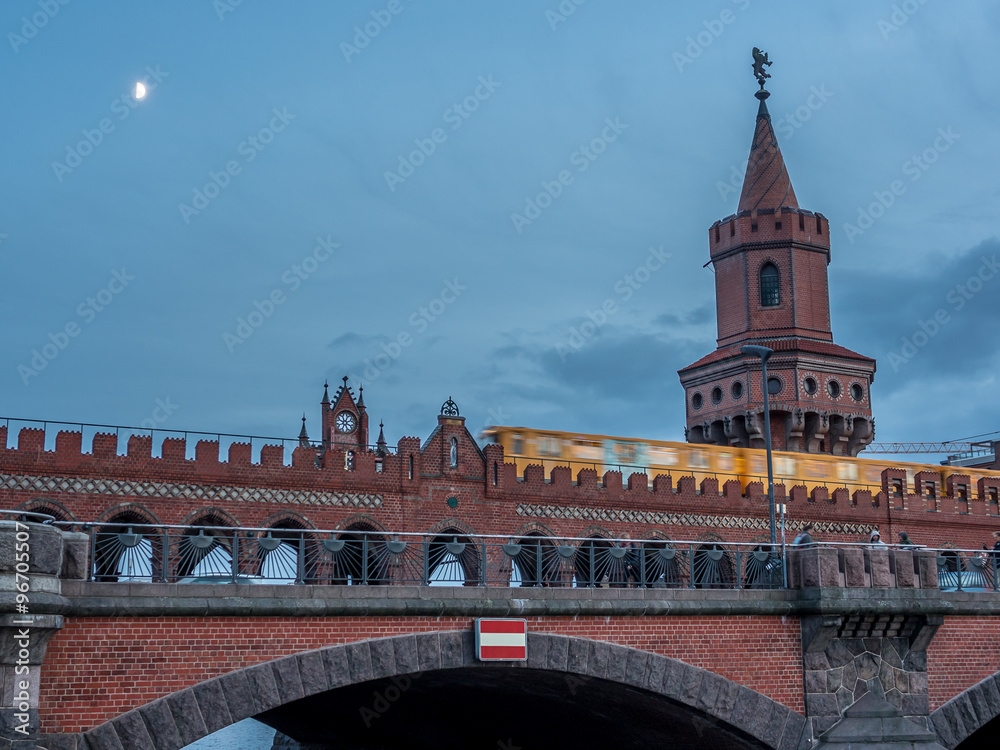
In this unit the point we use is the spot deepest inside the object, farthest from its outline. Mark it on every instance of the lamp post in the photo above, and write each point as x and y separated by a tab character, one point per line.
763	352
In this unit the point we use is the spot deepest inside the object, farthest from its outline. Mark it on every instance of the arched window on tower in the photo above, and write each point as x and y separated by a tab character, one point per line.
770	295
453	458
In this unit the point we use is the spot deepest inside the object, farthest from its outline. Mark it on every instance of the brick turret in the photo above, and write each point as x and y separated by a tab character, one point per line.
770	260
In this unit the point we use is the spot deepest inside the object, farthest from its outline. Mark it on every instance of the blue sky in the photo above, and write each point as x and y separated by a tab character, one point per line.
366	200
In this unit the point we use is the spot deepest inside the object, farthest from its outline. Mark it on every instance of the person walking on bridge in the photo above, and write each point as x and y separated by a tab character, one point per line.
875	540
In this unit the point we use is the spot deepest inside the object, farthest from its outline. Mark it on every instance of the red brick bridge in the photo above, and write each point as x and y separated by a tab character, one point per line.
134	658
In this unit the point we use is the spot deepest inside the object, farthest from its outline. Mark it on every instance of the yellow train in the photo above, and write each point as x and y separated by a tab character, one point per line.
524	446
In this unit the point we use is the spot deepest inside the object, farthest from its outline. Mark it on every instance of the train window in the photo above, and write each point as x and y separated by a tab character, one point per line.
699	459
549	446
587	450
847	471
625	453
660	456
784	465
815	469
725	462
517	445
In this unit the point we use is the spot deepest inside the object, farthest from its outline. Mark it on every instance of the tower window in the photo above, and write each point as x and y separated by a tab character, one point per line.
716	395
696	401
810	386
769	281
737	390
732	229
453	453
833	388
857	392
716	233
802	222
819	226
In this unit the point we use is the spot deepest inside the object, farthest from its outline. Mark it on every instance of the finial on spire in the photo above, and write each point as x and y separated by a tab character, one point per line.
303	435
345	381
361	396
326	394
759	61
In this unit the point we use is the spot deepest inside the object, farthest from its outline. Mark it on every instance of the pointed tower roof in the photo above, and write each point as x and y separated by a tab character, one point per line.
303	435
766	184
381	439
361	397
326	394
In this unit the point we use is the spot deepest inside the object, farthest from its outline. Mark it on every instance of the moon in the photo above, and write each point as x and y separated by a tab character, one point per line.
140	90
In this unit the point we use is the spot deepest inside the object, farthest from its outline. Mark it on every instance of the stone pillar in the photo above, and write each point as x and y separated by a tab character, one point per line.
31	560
847	657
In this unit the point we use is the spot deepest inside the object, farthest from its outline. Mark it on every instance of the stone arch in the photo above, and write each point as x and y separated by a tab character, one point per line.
51	507
217	516
289	550
968	712
450	548
359	522
124	510
452	523
200	551
188	715
120	552
533	527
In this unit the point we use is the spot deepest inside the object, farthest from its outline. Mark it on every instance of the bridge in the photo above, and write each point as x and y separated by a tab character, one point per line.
365	640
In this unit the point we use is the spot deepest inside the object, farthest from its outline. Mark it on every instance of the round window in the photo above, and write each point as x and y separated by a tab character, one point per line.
810	385
737	390
857	392
773	386
696	401
716	395
833	388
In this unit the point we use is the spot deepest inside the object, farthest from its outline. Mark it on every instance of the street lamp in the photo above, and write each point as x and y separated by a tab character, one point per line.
763	352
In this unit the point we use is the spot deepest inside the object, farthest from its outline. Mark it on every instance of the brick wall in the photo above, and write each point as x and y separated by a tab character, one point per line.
98	668
965	651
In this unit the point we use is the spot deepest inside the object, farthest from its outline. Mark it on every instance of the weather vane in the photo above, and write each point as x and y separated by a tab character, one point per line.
759	61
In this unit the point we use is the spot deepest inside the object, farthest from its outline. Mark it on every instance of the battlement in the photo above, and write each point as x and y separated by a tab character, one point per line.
374	488
769	225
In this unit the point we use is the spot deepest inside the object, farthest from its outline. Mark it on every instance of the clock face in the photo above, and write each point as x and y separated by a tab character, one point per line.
346	422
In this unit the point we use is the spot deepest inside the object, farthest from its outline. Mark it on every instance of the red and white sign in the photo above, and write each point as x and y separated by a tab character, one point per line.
501	639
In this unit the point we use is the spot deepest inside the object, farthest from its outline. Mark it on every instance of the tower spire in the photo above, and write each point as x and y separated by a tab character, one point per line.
766	184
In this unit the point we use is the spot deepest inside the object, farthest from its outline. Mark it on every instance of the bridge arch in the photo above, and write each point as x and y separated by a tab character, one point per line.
718	712
959	721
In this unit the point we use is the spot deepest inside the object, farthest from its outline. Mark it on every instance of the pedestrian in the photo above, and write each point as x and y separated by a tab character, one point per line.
875	540
996	549
904	541
804	538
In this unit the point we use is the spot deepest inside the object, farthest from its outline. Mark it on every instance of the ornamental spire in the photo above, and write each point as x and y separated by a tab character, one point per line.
766	184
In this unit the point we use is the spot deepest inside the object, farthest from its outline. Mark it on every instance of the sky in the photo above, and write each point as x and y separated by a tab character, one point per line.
434	197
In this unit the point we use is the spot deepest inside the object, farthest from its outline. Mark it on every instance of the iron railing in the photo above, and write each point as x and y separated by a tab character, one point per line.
174	554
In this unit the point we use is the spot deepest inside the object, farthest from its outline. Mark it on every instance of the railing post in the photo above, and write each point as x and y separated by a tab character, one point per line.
235	561
690	566
300	561
427	563
593	582
642	565
482	565
165	557
364	560
93	553
538	563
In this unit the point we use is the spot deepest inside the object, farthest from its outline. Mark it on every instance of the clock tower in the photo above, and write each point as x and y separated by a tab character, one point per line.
345	421
770	261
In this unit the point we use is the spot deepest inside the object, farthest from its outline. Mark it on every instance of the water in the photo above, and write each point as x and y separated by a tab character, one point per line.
243	735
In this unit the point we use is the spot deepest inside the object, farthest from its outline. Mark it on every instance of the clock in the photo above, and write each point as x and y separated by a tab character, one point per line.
346	422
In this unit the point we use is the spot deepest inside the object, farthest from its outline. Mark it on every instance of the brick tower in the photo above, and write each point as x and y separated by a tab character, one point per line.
770	260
